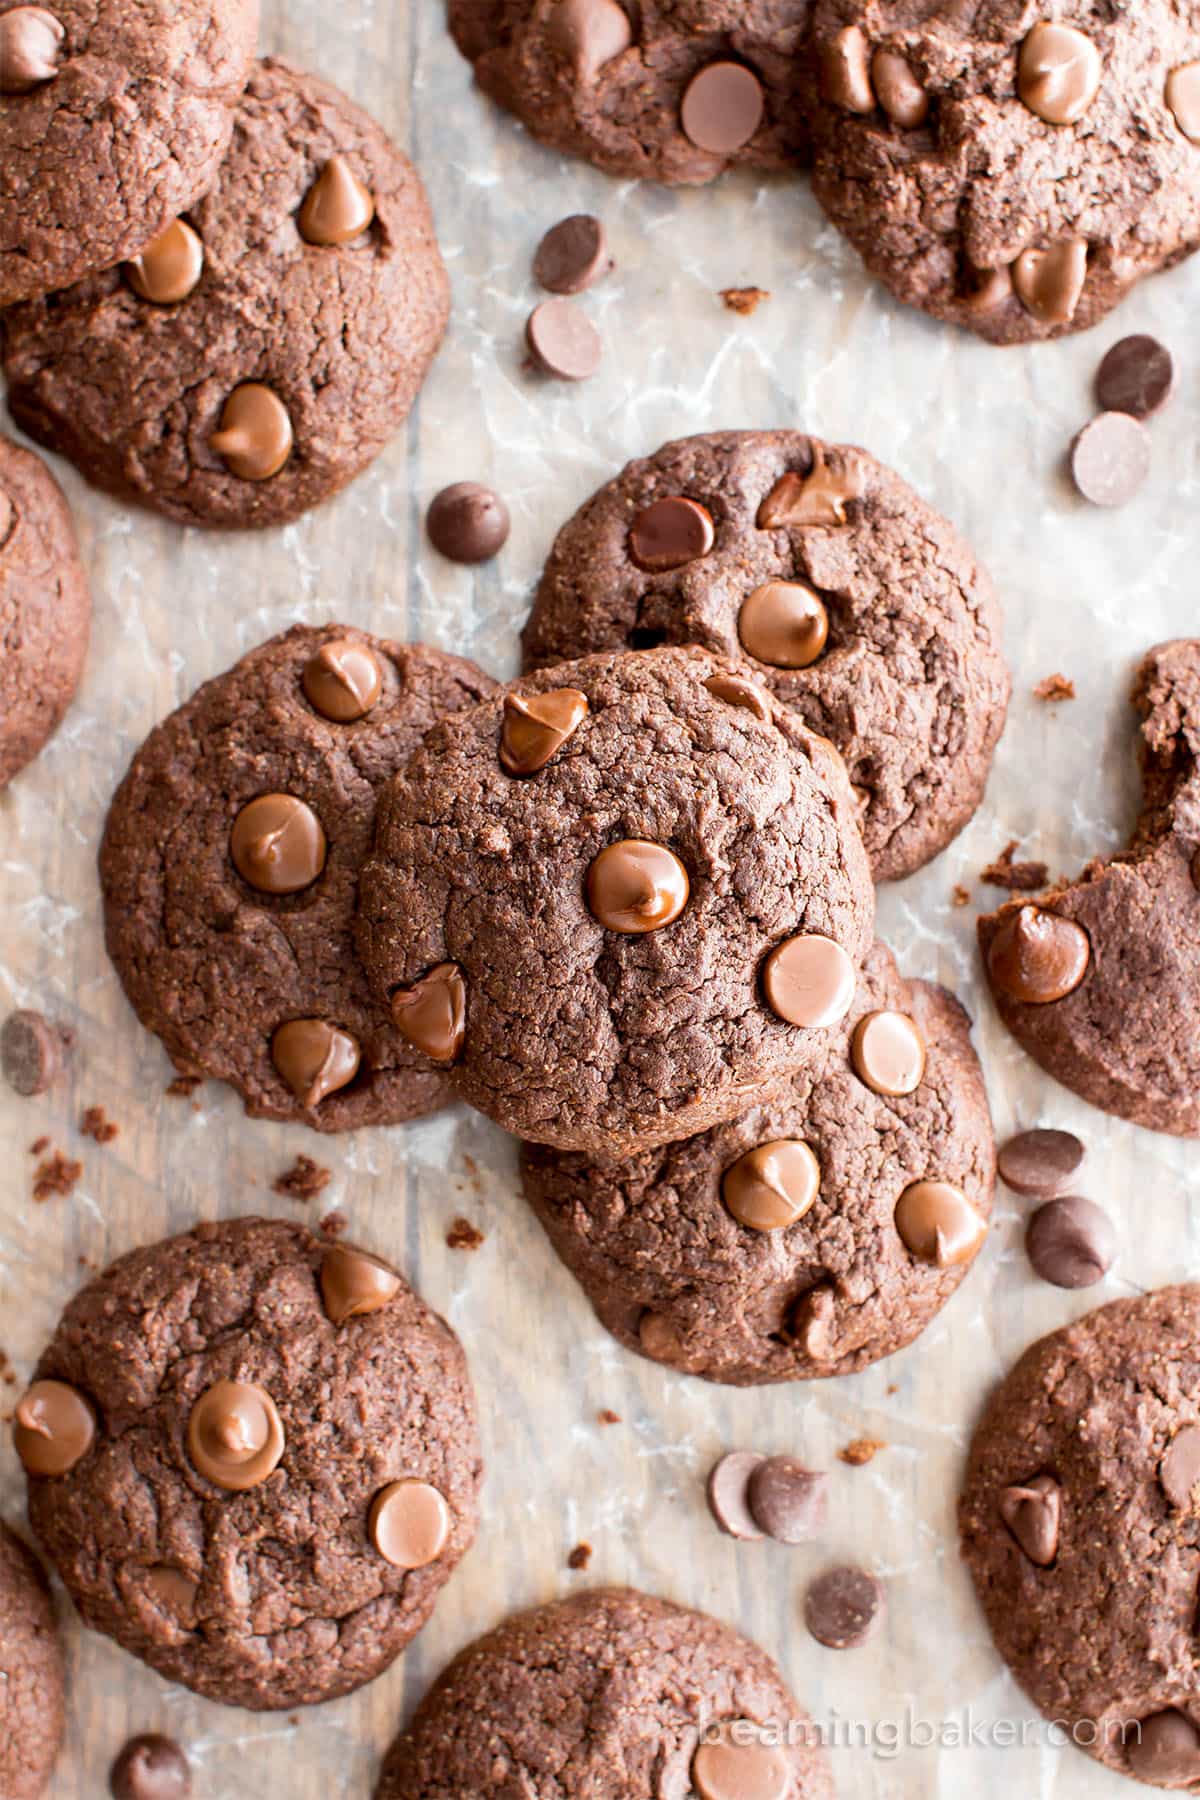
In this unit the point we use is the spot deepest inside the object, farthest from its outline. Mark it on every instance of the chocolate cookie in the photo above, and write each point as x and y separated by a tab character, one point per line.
857	605
557	1700
1080	1527
1012	170
822	1230
230	865
614	900
113	120
1100	980
674	90
252	1457
31	1673
45	607
262	351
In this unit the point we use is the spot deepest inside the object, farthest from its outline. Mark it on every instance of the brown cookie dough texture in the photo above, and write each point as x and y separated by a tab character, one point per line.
1100	980
801	1240
556	1700
31	1674
1011	168
221	1521
856	604
280	354
45	607
230	865
672	90
1081	1530
605	1004
113	120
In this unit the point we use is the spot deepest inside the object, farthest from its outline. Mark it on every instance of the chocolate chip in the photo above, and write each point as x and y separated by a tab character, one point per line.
1032	1511
888	1053
150	1767
1110	459
843	1607
634	886
1135	377
736	690
315	1058
1183	99
938	1224
255	437
31	1053
821	497
722	107
1071	1242
235	1435
772	1186
809	981
658	1337
899	92
431	1015
31	42
784	624
1050	281
670	533
572	255
786	1500
727	1497
409	1524
277	844
1165	1748
563	341
337	208
1058	73
589	34
846	71
342	681
1041	1162
736	1762
536	726
53	1428
1038	957
467	522
354	1284
169	269
1179	1470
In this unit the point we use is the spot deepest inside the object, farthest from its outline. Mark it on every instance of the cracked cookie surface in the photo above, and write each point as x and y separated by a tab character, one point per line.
31	1673
570	1031
274	1596
910	683
212	964
339	334
674	1274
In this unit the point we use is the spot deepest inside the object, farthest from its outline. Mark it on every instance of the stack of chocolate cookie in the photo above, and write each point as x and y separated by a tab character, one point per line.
1008	170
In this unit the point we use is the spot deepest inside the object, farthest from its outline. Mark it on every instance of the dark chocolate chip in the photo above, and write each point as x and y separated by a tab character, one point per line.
30	1053
467	522
1041	1162
1136	377
151	1768
843	1607
1071	1242
787	1500
572	255
563	341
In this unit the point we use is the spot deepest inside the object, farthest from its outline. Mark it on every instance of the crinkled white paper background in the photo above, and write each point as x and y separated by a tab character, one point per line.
981	432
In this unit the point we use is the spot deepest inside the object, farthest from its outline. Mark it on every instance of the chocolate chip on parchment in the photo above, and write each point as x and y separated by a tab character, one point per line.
572	255
786	1500
728	1502
467	522
1040	1162
843	1607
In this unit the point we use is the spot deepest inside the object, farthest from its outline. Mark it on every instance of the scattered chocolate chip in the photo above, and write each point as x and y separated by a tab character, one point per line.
744	300
304	1180
580	1557
31	1053
169	269
1041	1163
563	341
1058	73
97	1125
462	1235
150	1768
861	1451
722	107
56	1177
255	437
355	1284
1136	377
54	1428
1179	1470
1110	459
1071	1242
843	1607
235	1435
409	1524
727	1497
467	522
786	1500
1017	877
277	844
1055	687
1038	957
634	887
670	533
1164	1748
589	34
337	208
1032	1511
809	981
431	1015
572	255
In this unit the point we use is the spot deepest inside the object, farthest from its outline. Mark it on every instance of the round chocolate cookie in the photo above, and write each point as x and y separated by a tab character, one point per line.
613	900
819	1232
857	605
1012	170
671	90
45	607
262	351
1100	980
113	120
31	1673
252	1457
230	866
557	1700
1081	1529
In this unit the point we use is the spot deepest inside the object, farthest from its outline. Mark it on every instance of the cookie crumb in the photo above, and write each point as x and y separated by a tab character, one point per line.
608	1417
184	1086
580	1557
333	1224
303	1181
56	1176
959	895
1055	687
96	1124
38	1146
1017	877
744	300
462	1235
860	1451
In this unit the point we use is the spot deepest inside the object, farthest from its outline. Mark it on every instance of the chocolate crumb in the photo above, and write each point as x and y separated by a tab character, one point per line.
1055	687
96	1124
959	895
303	1181
608	1417
860	1451
744	300
580	1557
184	1086
462	1235
56	1176
333	1224
1017	877
38	1146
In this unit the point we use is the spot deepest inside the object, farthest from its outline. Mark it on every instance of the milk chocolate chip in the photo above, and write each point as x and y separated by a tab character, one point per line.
431	1015
670	533
31	41
1050	281
314	1058
1037	957
728	1500
809	980
150	1767
54	1427
735	690
938	1224
342	681
1110	459
773	1185
255	438
354	1284
900	94
337	207
722	107
787	1500
589	34
1058	73
846	71
1165	1748
1183	98
1179	1470
730	1765
572	255
536	726
888	1053
783	623
235	1435
563	341
409	1523
168	269
819	498
843	1607
1040	1162
1032	1512
634	886
277	844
